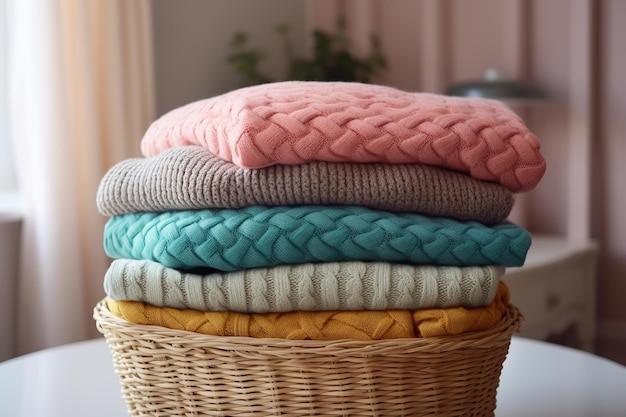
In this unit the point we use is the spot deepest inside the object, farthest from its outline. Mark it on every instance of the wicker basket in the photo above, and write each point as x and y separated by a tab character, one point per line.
165	372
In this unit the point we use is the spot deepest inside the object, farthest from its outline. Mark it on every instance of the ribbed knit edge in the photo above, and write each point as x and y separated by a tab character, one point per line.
190	177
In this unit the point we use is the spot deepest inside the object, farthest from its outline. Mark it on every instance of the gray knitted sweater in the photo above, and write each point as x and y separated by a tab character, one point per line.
190	177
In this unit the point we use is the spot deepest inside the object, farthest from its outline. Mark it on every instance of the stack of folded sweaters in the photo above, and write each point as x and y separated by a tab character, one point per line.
320	210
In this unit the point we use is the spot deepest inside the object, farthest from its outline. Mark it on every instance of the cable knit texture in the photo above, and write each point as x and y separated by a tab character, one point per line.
320	325
190	177
257	236
305	287
294	122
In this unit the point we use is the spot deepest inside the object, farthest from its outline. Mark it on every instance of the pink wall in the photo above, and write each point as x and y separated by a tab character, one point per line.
575	50
192	37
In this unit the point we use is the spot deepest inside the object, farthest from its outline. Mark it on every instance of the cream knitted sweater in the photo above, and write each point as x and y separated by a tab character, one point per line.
305	287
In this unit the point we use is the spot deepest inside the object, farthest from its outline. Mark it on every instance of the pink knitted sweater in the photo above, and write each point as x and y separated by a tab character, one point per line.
294	122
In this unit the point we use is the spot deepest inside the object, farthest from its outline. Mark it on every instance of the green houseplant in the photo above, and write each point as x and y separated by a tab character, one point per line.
331	60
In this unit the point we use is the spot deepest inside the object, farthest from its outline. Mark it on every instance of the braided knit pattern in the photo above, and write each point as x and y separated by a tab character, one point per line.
304	287
257	236
190	177
294	122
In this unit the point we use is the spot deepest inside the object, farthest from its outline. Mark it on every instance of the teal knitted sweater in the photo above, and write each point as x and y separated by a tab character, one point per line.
259	236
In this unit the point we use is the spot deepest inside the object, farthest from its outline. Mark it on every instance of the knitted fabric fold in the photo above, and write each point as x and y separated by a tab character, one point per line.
294	122
320	325
257	236
304	287
190	177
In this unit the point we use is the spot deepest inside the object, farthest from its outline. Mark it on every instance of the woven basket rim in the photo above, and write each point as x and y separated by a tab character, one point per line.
496	335
164	371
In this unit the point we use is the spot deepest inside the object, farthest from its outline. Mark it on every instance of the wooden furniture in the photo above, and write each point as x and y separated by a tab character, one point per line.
555	291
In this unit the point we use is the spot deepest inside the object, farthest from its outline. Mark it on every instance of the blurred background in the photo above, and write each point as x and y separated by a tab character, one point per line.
81	81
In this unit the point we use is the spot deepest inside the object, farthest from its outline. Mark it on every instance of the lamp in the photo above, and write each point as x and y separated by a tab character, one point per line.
493	86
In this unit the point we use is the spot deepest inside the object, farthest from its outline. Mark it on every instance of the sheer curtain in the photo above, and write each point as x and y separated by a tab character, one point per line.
80	97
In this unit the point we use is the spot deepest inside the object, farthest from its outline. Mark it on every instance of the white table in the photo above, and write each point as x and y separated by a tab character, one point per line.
538	379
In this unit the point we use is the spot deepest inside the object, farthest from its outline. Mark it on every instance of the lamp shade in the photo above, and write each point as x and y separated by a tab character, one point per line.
492	86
